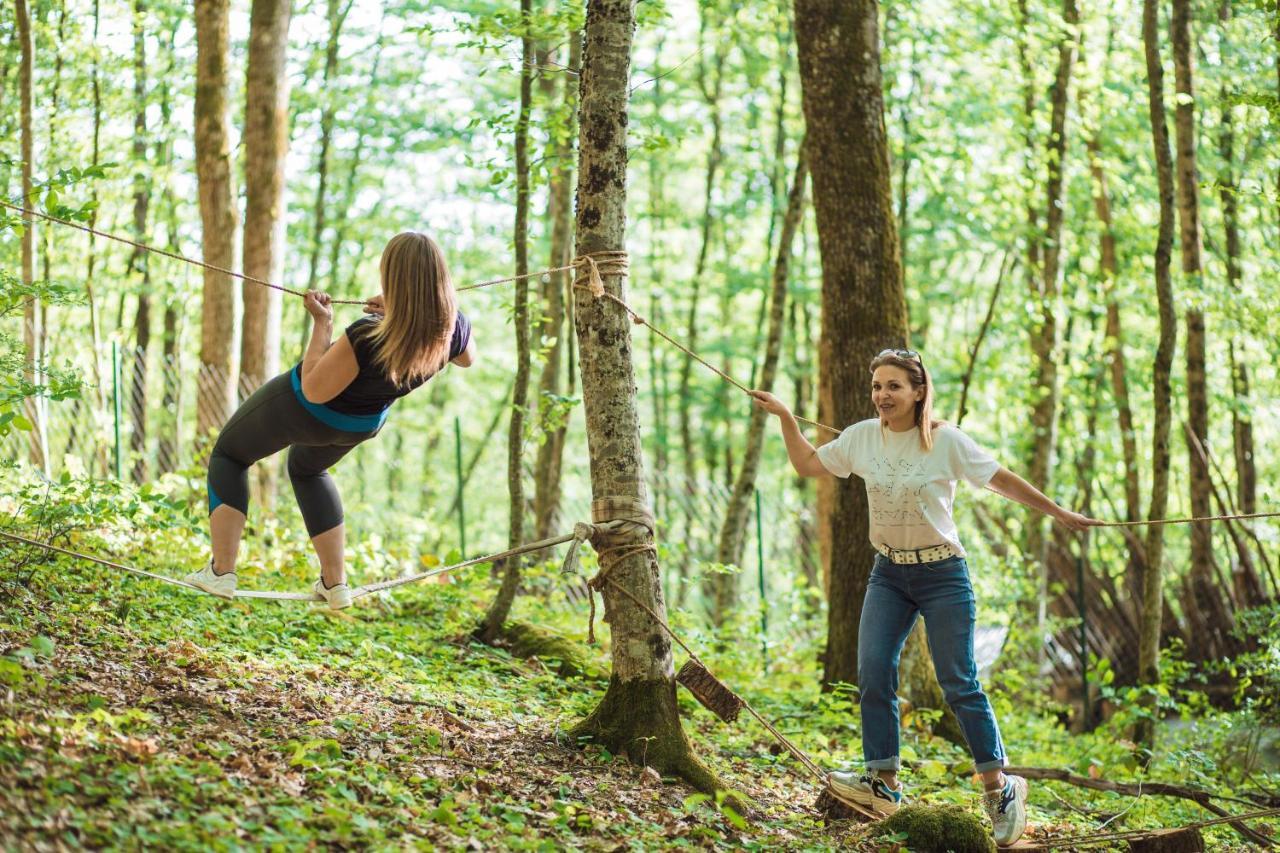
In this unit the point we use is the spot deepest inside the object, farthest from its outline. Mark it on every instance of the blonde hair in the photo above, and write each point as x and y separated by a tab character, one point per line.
411	341
918	376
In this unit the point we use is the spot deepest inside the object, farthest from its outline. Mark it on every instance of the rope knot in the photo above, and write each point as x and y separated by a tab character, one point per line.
582	532
598	265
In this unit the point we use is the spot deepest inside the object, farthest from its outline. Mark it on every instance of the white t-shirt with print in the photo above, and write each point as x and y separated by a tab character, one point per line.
910	493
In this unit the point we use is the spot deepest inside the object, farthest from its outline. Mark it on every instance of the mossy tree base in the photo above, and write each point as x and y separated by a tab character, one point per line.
566	657
639	719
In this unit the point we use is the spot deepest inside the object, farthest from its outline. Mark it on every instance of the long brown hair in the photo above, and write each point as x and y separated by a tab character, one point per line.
918	376
411	341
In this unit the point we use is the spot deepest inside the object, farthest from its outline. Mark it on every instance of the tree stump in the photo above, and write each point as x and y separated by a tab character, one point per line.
1169	841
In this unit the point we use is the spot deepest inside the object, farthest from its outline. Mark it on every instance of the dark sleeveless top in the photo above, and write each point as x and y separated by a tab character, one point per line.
371	392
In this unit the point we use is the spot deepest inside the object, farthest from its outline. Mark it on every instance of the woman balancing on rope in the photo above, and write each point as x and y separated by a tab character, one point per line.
336	398
910	464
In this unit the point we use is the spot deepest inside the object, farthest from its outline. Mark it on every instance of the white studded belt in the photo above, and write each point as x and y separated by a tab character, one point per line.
912	556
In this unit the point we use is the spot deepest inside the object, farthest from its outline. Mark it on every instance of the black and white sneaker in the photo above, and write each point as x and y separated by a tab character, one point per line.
865	790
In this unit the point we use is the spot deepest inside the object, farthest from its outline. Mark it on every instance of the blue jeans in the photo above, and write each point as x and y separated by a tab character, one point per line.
941	591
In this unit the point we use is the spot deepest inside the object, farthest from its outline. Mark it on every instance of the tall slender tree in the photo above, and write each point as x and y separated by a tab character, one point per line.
1241	417
31	313
552	417
1044	335
266	147
495	619
1152	578
734	528
638	714
139	261
1188	195
863	306
216	382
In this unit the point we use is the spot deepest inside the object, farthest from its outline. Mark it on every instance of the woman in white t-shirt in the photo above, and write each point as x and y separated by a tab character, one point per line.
910	464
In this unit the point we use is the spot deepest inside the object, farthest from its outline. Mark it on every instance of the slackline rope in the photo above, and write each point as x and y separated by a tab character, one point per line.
301	596
595	265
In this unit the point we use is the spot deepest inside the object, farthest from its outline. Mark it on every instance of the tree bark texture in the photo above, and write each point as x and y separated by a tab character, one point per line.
638	714
551	415
496	617
1241	417
1152	581
733	530
216	383
1203	592
863	306
266	147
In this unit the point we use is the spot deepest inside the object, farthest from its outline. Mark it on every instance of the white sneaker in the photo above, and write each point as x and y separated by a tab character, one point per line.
223	586
1007	809
866	790
338	596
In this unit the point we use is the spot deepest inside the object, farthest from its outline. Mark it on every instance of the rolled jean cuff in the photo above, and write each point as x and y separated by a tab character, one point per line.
894	763
995	764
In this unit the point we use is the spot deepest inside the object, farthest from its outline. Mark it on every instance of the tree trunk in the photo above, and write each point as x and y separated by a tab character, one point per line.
1113	355
734	529
863	307
216	382
658	380
638	715
90	296
139	261
167	446
266	147
1152	583
1241	416
1044	337
711	95
494	621
552	415
1189	240
31	313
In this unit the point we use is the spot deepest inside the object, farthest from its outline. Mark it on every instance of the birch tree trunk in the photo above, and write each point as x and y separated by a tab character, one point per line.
266	147
863	307
551	415
638	715
217	382
1152	581
492	625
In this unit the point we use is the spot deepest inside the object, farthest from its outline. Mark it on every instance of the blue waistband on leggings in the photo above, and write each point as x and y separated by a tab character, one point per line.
337	420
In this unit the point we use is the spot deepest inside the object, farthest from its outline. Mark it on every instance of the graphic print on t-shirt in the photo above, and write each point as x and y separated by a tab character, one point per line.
894	490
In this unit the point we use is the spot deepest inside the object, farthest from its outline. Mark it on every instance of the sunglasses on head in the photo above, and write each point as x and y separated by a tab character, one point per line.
902	353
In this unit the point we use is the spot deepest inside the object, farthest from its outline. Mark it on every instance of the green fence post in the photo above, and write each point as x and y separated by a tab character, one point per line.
764	602
115	404
462	512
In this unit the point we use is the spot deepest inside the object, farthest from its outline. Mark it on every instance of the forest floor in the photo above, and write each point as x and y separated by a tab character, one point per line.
135	714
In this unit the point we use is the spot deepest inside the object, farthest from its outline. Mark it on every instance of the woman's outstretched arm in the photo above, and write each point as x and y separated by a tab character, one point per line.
1008	484
803	455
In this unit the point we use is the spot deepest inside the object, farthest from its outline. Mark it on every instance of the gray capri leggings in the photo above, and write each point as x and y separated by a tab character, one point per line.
277	416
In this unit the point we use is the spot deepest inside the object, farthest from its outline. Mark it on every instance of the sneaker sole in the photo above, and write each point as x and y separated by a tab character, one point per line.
211	590
863	799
